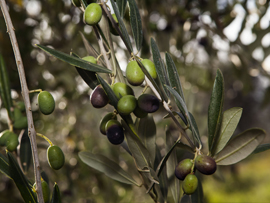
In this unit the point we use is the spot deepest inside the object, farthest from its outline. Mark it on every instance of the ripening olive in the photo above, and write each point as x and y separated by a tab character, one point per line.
90	59
3	137
12	142
126	104
134	74
20	123
183	168
112	30
98	97
139	113
45	190
150	67
121	89
148	103
190	184
205	164
104	121
46	102
92	14
114	132
56	157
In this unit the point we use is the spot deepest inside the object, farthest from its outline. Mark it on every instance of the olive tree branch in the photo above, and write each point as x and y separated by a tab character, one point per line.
25	94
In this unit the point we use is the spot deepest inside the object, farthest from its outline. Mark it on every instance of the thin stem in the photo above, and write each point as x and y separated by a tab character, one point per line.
45	138
25	93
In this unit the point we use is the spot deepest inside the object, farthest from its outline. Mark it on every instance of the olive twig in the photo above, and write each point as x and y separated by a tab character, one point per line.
25	93
45	138
37	90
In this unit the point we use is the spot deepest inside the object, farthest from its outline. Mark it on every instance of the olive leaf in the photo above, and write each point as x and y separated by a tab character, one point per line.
4	166
106	166
261	148
25	151
229	123
20	180
121	6
136	23
56	196
215	112
74	61
240	146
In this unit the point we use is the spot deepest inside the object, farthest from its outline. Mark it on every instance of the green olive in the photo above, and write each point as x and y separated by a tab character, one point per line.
134	74
17	113
150	67
21	123
3	137
56	157
114	132
45	190
92	14
183	168
190	184
126	104
20	105
46	102
205	164
121	89
104	121
12	142
90	59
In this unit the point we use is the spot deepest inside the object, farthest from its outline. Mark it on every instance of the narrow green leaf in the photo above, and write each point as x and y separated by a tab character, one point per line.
25	151
215	112
20	180
240	146
4	166
74	61
122	27
56	196
136	23
106	166
121	4
147	133
261	148
160	68
170	166
229	123
185	147
89	77
194	127
174	76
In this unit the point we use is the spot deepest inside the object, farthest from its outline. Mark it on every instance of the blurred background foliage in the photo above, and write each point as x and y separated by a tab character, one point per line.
201	36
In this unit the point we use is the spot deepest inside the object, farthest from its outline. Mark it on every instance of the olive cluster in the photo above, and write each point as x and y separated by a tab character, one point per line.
186	168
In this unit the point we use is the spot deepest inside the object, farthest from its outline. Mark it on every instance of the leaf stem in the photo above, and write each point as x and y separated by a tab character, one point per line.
25	93
45	138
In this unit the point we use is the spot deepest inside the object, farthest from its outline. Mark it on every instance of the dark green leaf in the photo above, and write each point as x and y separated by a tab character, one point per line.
122	27
185	147
261	148
20	180
106	166
147	133
89	77
122	6
229	123
170	166
56	196
240	147
74	61
84	3
194	127
4	166
25	151
136	23
215	112
174	76
160	68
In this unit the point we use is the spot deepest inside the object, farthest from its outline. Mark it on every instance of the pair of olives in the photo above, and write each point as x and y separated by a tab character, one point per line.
135	75
9	139
183	171
46	102
110	127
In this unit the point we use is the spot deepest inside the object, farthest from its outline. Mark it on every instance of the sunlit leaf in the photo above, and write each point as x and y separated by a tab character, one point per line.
147	133
25	151
215	112
240	147
106	166
74	61
261	148
4	165
20	180
136	23
121	6
229	123
122	27
56	196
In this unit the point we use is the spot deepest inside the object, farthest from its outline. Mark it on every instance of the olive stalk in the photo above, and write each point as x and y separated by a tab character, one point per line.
25	93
